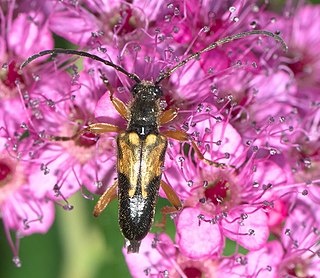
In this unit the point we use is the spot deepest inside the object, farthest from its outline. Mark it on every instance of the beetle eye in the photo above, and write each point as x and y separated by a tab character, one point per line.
135	89
158	91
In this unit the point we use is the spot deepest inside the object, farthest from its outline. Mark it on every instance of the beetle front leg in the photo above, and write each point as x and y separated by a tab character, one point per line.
122	109
168	115
109	195
98	128
184	137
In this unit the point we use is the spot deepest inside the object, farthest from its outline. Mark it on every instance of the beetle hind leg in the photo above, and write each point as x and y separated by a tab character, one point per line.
173	199
105	199
171	195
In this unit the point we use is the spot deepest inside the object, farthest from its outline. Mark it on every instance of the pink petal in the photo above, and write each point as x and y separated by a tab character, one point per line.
155	256
212	131
266	260
99	171
27	215
243	221
268	172
197	239
260	264
27	38
76	25
106	112
59	171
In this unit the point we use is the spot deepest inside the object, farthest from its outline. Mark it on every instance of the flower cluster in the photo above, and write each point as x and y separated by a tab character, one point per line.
246	104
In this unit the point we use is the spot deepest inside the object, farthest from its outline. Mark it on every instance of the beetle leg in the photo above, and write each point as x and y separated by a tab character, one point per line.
184	137
98	128
173	199
171	195
165	211
167	116
117	103
105	199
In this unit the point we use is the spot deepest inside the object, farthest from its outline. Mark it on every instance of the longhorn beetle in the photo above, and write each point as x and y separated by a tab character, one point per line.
141	147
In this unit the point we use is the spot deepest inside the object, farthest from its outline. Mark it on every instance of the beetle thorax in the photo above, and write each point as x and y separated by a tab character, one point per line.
145	108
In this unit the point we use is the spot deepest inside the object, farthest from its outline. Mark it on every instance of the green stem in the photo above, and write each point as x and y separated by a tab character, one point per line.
83	244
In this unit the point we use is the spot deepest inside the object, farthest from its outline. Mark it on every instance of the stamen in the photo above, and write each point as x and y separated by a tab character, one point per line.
86	196
14	247
58	193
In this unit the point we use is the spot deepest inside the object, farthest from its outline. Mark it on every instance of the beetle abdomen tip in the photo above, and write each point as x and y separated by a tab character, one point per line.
133	246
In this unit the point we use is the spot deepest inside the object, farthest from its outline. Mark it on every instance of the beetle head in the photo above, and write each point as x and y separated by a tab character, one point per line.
146	91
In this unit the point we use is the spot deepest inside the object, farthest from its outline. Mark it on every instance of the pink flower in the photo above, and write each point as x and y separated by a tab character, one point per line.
300	238
300	32
260	263
71	21
234	202
67	166
245	104
160	257
297	255
155	256
247	226
29	34
23	208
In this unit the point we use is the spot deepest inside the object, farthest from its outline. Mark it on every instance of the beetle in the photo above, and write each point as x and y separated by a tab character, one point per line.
141	147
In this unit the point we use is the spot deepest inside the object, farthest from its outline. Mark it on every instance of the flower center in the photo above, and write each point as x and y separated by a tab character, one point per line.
299	269
79	116
301	65
192	272
10	76
87	140
5	172
217	192
124	20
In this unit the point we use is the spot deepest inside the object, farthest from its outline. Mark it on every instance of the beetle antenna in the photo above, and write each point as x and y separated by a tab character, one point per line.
221	42
83	54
